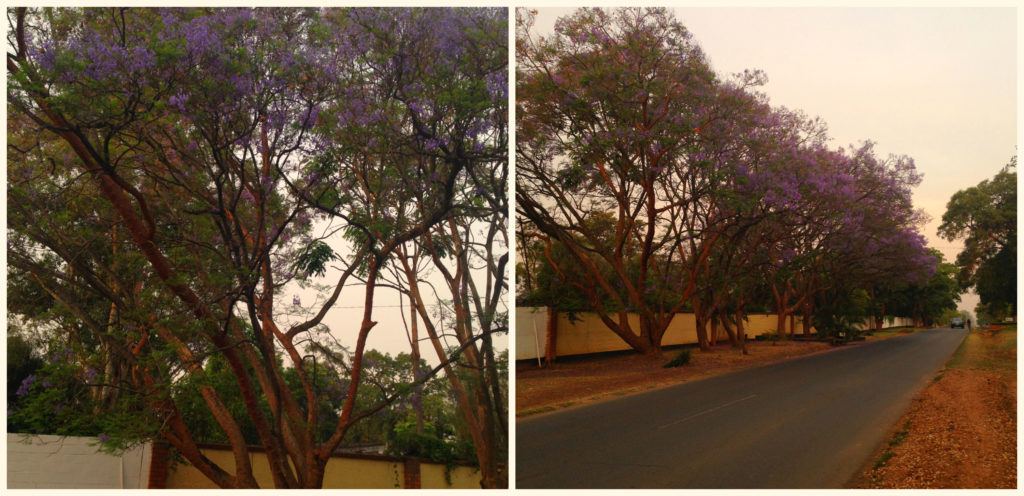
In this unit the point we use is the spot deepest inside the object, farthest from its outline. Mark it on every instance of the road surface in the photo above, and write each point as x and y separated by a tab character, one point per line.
806	423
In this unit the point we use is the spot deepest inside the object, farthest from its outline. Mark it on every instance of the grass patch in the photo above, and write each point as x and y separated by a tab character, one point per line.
681	359
897	439
882	460
984	350
900	436
541	409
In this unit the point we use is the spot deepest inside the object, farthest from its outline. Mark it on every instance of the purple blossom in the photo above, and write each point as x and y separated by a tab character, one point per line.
200	37
477	128
241	83
310	117
141	59
178	101
26	385
46	56
432	144
276	119
104	438
497	85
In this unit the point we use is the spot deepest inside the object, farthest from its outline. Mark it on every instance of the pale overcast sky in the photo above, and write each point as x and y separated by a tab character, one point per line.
390	335
937	84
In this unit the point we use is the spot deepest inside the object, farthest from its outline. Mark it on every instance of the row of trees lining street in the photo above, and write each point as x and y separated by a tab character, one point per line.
174	172
648	184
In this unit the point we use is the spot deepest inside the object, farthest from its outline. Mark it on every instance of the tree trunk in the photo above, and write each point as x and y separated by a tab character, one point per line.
807	320
741	333
418	394
729	330
550	346
780	323
714	330
651	331
702	331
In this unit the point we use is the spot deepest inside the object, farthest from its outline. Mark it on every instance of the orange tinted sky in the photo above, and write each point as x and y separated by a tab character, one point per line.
938	84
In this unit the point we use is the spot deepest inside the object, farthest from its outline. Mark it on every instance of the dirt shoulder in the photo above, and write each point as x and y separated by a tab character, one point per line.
960	432
576	381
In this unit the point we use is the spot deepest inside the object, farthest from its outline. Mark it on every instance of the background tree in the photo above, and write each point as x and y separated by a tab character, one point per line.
985	217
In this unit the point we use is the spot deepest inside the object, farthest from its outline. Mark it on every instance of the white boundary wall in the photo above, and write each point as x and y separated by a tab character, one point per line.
589	334
56	462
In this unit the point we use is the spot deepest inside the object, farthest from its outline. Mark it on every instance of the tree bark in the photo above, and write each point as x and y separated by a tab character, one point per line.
551	341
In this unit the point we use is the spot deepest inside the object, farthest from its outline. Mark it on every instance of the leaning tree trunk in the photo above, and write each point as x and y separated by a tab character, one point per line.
729	331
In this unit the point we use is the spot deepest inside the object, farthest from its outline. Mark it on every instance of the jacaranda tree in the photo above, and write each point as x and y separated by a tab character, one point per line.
664	187
170	173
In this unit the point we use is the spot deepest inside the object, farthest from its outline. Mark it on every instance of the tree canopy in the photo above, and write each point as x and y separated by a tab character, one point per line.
985	217
173	171
648	183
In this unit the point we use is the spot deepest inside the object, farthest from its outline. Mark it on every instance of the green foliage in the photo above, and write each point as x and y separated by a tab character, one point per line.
68	399
314	259
899	437
933	300
993	312
433	444
985	216
883	459
838	312
681	359
22	362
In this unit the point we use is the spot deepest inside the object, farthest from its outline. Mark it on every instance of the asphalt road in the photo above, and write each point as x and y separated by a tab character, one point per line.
807	423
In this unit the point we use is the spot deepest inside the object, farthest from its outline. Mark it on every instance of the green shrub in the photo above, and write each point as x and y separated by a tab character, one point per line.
681	359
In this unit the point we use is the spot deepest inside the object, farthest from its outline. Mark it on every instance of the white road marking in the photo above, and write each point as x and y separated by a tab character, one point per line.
719	407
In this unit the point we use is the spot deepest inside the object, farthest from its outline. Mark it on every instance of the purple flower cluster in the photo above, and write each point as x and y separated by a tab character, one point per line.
178	101
497	86
26	386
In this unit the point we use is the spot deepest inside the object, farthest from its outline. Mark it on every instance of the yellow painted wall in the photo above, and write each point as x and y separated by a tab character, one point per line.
432	477
341	473
588	334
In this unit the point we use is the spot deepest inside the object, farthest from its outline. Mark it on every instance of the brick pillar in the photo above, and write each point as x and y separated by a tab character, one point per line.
158	465
412	473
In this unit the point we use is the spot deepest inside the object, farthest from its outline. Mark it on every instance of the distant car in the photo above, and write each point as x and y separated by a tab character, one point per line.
957	322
